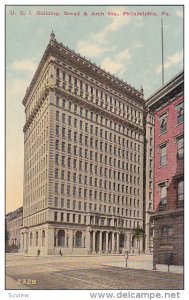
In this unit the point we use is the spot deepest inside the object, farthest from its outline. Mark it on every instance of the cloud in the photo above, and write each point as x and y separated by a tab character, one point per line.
171	61
24	65
92	49
97	43
118	63
138	45
179	13
112	66
16	89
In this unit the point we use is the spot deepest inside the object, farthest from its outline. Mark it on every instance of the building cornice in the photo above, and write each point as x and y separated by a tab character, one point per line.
166	93
59	51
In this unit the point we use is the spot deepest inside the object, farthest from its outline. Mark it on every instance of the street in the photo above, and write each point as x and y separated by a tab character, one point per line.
88	272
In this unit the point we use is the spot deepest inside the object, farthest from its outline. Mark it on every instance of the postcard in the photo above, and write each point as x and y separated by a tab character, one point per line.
94	151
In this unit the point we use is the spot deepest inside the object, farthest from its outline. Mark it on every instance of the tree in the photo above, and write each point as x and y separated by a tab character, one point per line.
138	234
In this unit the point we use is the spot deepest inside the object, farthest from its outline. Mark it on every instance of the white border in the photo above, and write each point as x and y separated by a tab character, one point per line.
59	295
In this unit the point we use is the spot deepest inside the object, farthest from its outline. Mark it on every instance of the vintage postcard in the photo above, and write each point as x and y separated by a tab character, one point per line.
94	151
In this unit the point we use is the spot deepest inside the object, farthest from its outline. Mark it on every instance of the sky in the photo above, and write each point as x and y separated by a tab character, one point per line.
126	45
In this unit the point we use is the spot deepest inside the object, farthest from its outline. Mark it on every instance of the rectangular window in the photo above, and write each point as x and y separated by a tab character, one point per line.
63	118
180	191
57	115
55	216
63	132
166	230
180	113
68	217
69	120
163	155
56	201
163	124
180	148
57	130
163	196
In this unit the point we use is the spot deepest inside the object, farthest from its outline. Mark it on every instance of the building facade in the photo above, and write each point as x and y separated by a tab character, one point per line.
13	224
148	180
83	158
167	105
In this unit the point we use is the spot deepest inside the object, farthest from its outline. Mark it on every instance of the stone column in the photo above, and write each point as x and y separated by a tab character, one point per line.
74	241
100	243
22	242
94	239
83	237
113	243
71	240
56	238
88	241
130	242
126	240
106	242
117	248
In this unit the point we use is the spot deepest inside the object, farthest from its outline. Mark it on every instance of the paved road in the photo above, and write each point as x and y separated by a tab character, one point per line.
88	273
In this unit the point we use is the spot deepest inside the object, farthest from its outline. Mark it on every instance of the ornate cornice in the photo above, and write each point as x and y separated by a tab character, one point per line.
66	55
167	93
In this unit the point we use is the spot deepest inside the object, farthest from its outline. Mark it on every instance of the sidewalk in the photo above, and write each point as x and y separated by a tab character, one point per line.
146	265
12	284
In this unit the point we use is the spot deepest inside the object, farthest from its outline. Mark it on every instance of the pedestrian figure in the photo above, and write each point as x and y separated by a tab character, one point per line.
60	252
38	252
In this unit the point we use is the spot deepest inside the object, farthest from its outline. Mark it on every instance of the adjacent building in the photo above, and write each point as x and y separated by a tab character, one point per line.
13	225
168	171
83	158
148	180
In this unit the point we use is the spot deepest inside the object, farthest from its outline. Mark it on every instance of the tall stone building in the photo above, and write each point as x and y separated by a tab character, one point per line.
168	218
83	158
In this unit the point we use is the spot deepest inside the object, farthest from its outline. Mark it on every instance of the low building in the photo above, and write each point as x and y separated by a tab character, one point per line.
14	222
168	217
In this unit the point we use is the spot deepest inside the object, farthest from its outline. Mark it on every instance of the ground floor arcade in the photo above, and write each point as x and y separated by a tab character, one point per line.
52	239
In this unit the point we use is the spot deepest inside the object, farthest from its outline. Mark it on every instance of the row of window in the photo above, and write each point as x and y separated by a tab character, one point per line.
83	192
71	121
79	178
164	118
84	90
163	194
67	217
180	151
84	165
79	205
90	154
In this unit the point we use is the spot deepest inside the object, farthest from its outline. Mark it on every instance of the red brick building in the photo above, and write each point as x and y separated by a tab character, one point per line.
168	186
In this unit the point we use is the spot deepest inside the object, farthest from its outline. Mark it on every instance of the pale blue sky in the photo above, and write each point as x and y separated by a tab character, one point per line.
129	47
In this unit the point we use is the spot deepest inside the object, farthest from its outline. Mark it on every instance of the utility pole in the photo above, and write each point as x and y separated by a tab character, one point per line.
162	52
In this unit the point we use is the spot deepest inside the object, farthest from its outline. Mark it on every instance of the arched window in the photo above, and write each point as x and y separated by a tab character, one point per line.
121	240
61	238
180	191
31	236
43	238
36	238
78	237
